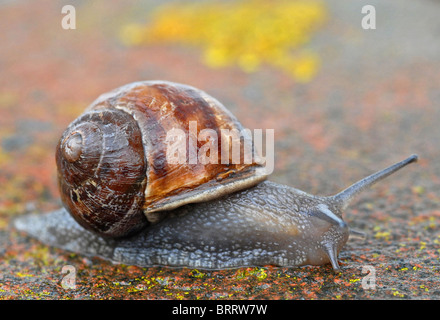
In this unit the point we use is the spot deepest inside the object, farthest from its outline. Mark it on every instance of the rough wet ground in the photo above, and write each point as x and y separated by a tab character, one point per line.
374	101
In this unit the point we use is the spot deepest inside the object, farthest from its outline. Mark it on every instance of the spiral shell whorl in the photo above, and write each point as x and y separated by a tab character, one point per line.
101	172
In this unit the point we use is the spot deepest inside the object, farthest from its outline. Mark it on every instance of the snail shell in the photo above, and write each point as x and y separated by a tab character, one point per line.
112	163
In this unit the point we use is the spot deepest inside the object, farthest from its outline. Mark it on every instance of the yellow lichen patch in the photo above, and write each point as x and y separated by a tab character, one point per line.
381	234
3	223
397	293
4	157
384	235
259	273
246	33
419	190
23	275
197	274
8	100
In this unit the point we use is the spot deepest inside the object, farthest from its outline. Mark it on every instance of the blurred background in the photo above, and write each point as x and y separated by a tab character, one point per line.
344	101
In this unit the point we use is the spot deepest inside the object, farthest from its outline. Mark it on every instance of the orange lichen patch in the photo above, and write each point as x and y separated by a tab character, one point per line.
316	136
247	34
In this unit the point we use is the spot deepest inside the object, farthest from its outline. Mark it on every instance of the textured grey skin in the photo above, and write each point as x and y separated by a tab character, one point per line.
269	224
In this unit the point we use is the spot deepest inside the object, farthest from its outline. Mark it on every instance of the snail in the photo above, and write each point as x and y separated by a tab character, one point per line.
125	202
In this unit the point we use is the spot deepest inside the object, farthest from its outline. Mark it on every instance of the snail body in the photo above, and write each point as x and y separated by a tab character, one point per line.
211	216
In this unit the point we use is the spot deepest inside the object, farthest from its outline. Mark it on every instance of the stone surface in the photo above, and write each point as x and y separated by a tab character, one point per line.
374	101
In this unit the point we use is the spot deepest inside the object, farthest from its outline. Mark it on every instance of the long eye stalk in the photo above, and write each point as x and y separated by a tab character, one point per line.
345	196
